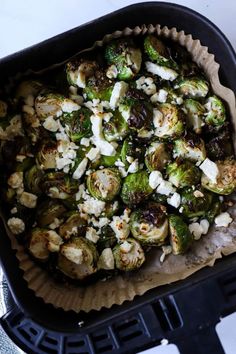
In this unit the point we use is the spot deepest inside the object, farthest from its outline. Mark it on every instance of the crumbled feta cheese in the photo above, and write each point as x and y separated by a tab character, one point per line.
85	142
146	84
15	180
112	72
119	163
20	157
118	92
29	200
157	118
195	229
67	155
174	200
105	147
198	194
126	247
68	106
204	223
28	109
78	173
73	254
55	224
210	169
155	178
16	225
14	210
164	72
144	133
133	167
51	124
120	227
92	206
93	154
106	259
165	188
91	235
54	241
223	219
81	192
130	159
12	130
179	100
165	251
160	96
123	172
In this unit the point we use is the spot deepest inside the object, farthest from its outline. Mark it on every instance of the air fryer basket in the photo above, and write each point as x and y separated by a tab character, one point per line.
176	311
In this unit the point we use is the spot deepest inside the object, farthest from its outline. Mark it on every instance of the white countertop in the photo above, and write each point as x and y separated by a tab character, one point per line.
24	23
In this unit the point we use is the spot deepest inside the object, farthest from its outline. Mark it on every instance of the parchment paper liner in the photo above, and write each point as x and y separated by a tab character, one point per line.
218	242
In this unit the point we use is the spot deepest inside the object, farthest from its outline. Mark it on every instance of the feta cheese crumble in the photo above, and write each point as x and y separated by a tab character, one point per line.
106	259
223	220
80	170
174	200
16	225
29	200
162	71
118	92
210	169
155	178
91	235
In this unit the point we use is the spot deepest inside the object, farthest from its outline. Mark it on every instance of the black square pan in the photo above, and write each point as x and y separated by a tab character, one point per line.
159	317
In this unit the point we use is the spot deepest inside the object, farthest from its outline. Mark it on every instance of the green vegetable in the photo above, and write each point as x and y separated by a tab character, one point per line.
59	185
216	114
129	260
33	178
74	225
135	188
78	124
107	238
180	236
195	206
183	174
169	122
48	211
47	154
42	242
98	87
158	52
117	128
157	156
190	147
104	184
132	148
193	87
195	114
79	70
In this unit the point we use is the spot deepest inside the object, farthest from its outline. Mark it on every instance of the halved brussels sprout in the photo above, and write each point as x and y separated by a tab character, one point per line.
26	164
47	154
49	104
126	57
183	174
74	225
78	124
59	185
77	258
184	59
136	188
216	114
215	209
194	206
220	146
195	113
98	87
117	128
107	238
190	147
79	70
180	236
150	224
157	156
42	242
128	255
132	150
158	52
226	181
194	87
104	184
168	121
110	209
109	161
48	211
33	179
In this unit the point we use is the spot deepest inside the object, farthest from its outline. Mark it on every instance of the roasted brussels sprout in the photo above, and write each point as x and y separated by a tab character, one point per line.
47	154
158	52
59	185
215	209
183	174
226	180
109	161
216	114
104	184
195	113
74	225
149	225
42	242
79	70
33	178
157	156
110	209
136	188
126	57
190	147
77	258
128	255
107	238
219	147
194	87
117	128
48	211
98	87
78	124
195	204
132	150
168	121
180	236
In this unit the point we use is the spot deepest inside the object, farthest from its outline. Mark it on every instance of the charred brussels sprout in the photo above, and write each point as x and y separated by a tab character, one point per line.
107	238
168	121
48	211
110	209
215	209
128	255
132	150
220	147
117	128
136	188
190	147
216	114
59	185
157	156
79	70
180	236
77	258
158	52
150	224
195	204
74	225
226	181
194	113
78	124
33	178
104	184
125	56
47	154
98	87
193	87
183	174
42	242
